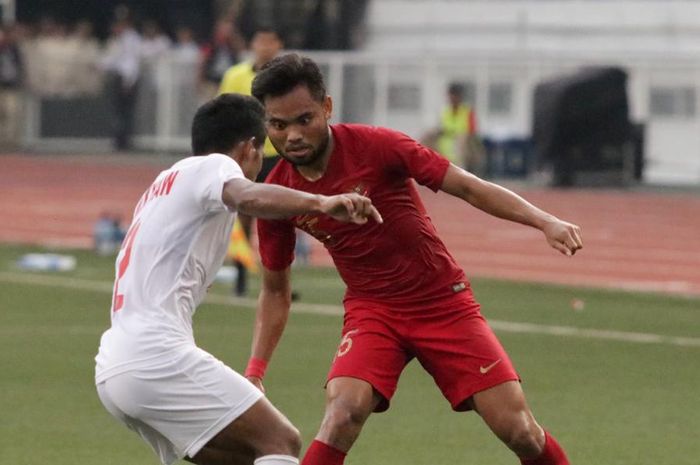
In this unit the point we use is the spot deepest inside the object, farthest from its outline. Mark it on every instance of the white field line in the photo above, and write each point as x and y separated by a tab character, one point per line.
56	280
642	338
321	309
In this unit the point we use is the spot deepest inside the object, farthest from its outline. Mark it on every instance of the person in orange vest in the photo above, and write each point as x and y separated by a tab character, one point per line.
457	138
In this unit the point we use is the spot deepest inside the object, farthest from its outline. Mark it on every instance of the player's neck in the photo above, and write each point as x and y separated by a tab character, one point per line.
317	169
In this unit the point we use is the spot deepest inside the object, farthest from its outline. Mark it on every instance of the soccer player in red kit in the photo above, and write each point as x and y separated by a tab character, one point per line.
406	296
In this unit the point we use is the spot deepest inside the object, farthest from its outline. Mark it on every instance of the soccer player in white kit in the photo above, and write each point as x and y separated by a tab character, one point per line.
150	375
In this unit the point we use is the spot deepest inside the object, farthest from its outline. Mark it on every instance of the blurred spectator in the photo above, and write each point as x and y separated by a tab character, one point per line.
154	42
264	46
185	48
59	64
11	74
84	51
219	55
185	58
122	63
51	70
108	234
456	137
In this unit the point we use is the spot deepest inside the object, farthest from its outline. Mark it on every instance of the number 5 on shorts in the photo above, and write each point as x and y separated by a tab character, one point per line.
346	343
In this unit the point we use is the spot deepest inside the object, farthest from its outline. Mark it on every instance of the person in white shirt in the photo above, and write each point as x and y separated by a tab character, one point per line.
122	66
154	42
185	48
149	372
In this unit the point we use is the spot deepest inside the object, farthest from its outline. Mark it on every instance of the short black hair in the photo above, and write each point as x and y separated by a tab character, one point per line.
284	73
223	122
456	88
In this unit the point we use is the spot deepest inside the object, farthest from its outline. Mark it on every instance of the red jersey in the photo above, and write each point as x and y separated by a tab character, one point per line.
401	261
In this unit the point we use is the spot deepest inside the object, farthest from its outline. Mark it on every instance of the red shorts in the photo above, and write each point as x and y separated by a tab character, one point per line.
451	340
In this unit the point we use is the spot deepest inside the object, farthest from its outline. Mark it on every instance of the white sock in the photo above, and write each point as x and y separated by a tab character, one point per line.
277	460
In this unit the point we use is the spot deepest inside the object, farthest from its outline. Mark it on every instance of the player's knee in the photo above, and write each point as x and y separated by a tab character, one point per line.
343	415
524	438
341	419
292	441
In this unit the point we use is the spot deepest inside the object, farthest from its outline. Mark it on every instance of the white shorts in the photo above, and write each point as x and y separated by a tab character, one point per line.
179	406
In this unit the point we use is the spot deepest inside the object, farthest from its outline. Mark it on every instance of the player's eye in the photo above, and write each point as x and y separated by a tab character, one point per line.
304	120
277	125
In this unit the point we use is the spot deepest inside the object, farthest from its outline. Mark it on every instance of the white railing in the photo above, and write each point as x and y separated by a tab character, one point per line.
406	91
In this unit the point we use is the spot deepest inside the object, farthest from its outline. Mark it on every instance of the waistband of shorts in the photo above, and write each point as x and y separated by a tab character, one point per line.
438	305
164	358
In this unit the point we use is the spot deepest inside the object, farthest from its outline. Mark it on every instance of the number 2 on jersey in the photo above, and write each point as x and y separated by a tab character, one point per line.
118	299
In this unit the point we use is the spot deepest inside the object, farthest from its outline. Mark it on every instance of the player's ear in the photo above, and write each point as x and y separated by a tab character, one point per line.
327	106
250	148
242	151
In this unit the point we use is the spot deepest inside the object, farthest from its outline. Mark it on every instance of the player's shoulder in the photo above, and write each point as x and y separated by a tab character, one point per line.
202	163
194	160
364	133
353	136
379	140
365	142
353	129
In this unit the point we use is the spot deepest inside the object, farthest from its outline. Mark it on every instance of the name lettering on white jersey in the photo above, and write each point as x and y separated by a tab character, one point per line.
158	188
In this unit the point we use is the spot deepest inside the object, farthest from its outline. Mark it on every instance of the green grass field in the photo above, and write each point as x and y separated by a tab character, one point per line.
610	397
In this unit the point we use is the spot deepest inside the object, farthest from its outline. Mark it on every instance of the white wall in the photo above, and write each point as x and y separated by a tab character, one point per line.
545	25
524	42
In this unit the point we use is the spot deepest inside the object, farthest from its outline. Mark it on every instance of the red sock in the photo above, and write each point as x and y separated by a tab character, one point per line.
323	454
552	454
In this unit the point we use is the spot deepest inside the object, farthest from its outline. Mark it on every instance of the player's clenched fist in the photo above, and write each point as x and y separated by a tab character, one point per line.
352	207
563	236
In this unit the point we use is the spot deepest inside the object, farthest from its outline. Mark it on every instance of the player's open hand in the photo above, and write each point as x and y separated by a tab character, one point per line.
354	208
563	236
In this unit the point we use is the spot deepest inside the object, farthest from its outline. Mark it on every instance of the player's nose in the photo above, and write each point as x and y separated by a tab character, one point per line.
294	135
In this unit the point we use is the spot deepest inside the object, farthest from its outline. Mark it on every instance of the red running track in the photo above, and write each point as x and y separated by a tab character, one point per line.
633	240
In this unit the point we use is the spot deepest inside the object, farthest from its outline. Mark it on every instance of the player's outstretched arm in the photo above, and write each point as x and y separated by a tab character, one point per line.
270	320
273	202
503	203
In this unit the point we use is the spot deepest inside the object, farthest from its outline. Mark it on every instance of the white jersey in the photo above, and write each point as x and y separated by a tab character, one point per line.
175	245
